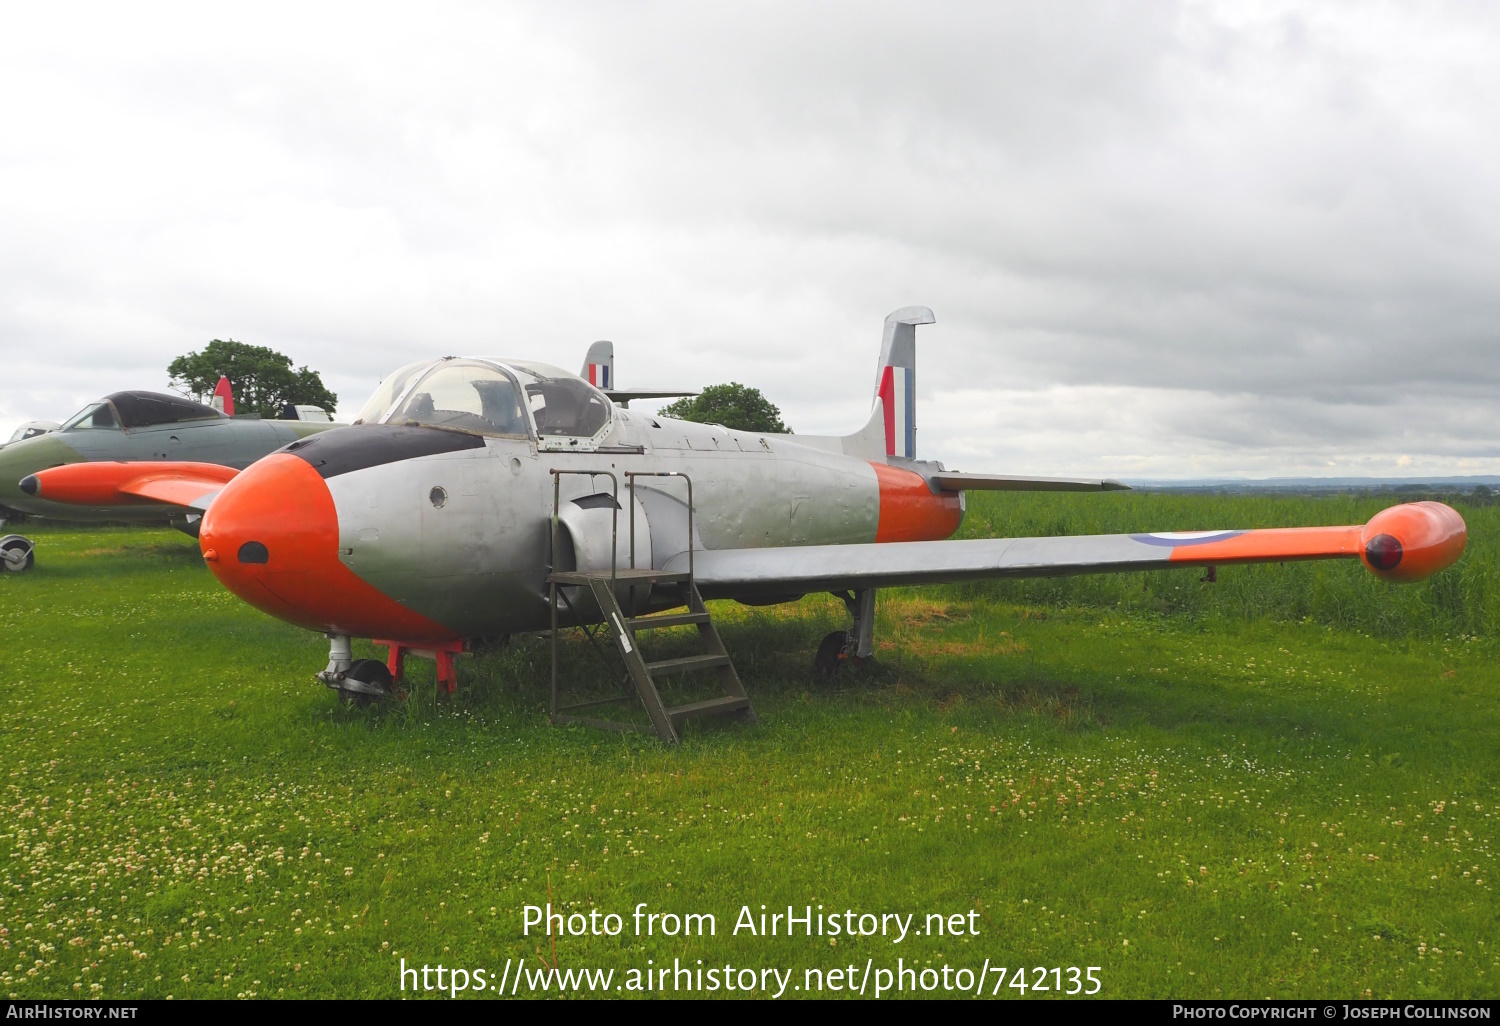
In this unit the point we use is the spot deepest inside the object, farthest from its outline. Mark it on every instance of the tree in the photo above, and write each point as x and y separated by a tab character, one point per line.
263	380
733	405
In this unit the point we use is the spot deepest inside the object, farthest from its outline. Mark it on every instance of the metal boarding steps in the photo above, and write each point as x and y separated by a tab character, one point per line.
623	630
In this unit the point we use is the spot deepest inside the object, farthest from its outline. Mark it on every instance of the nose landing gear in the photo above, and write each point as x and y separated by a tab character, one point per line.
363	681
366	681
359	681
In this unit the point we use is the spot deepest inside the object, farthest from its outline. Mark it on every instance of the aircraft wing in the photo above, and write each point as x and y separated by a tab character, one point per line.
110	483
956	482
1403	543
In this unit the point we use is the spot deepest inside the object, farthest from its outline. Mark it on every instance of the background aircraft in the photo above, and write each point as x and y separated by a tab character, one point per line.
149	426
157	433
479	497
31	429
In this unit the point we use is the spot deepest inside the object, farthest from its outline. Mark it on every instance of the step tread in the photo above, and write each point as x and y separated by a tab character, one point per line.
682	665
710	706
646	623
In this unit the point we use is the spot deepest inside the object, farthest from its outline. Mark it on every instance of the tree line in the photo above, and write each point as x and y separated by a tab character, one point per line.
264	381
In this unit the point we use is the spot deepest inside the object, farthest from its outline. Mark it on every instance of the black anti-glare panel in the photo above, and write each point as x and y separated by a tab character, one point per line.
344	450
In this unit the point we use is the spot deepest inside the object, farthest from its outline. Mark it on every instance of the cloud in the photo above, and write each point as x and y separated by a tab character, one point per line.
1221	237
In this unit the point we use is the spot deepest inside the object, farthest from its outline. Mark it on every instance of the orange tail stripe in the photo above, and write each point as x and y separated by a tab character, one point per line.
909	511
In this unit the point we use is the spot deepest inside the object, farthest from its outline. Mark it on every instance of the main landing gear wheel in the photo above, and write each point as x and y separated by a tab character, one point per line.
17	554
830	658
365	681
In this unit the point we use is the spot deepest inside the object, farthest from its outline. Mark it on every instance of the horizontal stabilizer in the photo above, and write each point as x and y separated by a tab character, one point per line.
599	371
109	483
625	395
1402	543
956	482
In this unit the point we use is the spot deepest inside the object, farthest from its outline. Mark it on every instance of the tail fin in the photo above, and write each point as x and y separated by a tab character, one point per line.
599	365
223	399
896	379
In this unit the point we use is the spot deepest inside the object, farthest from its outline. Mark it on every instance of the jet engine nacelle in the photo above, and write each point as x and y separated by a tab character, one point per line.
590	529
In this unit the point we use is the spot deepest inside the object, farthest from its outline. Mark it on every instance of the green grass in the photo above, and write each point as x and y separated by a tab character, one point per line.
1281	784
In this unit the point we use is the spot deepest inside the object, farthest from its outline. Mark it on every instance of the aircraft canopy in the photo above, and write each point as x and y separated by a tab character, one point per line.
463	395
491	397
563	404
388	391
138	410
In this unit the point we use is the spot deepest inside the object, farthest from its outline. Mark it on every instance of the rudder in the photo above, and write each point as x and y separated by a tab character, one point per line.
223	397
896	379
599	365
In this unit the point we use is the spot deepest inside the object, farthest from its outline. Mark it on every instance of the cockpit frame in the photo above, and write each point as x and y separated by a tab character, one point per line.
536	385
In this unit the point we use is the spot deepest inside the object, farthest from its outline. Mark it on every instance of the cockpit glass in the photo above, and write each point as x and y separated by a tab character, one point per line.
562	404
387	392
93	417
145	409
464	395
26	431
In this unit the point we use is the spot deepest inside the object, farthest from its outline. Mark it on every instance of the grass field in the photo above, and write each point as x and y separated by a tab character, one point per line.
1282	784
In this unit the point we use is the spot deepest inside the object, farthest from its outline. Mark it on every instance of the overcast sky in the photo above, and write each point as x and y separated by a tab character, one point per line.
1161	239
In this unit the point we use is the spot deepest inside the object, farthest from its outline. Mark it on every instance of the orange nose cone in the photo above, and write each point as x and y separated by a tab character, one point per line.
272	537
1413	541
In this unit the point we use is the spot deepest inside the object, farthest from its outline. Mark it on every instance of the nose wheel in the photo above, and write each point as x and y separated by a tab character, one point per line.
17	554
366	681
358	681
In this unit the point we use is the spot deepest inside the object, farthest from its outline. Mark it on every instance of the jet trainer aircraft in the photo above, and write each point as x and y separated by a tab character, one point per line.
479	497
161	434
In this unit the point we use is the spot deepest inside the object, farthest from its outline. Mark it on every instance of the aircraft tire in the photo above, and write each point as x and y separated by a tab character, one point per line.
17	545
370	672
830	656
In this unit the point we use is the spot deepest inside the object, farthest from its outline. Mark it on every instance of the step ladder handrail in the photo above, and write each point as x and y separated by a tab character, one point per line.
623	625
614	516
630	476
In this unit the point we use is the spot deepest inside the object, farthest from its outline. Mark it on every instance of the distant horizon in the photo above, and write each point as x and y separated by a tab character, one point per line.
1340	481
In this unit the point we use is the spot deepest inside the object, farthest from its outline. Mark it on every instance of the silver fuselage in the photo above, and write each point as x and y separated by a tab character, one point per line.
478	564
463	538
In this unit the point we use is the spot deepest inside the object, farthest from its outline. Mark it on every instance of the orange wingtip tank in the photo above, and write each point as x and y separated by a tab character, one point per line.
1413	541
1404	543
99	484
